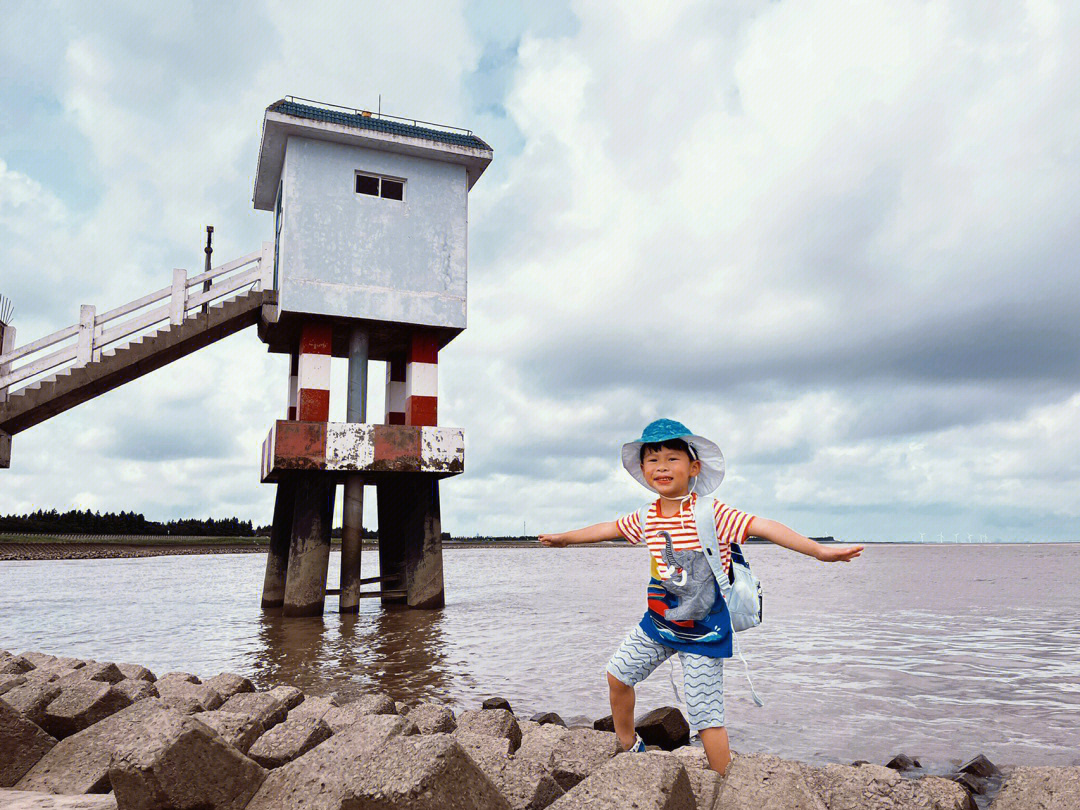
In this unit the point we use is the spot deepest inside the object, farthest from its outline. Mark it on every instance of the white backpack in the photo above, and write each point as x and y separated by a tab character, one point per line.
740	589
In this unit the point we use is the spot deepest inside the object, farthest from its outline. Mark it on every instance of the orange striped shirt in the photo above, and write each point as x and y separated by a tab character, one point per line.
731	527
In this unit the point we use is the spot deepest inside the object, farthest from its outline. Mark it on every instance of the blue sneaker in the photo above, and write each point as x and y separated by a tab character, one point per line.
638	747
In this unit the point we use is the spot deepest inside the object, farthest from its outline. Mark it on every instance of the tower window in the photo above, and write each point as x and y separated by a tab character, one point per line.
375	185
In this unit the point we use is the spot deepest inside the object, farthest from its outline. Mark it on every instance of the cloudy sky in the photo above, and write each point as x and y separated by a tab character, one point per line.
842	239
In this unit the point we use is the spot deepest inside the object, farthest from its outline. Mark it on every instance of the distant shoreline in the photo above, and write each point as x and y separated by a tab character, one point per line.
58	547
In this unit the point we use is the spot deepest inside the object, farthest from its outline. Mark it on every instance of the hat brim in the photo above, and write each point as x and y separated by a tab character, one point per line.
708	453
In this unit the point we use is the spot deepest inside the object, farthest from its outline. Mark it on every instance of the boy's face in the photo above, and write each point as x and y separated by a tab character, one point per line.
669	471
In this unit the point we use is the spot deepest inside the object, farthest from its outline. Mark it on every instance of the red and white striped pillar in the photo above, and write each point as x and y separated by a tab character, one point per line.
313	374
395	390
294	372
422	380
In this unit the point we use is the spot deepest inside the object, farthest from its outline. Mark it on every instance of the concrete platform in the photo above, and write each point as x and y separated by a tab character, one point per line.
349	448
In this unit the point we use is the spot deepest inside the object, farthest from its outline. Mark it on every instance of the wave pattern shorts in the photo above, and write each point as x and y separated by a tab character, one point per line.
703	677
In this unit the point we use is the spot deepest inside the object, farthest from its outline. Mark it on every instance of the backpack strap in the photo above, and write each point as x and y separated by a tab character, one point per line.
705	518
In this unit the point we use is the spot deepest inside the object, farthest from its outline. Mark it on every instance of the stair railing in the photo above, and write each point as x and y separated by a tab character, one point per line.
94	332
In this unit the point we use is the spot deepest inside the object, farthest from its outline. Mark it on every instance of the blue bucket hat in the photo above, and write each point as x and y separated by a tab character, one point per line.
662	430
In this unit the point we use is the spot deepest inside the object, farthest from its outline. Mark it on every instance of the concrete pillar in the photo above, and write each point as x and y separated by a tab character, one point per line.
294	387
395	390
313	373
410	538
277	558
309	549
353	512
422	380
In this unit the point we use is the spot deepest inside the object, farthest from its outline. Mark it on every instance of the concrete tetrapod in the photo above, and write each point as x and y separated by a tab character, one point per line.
630	780
1044	788
23	743
176	762
28	800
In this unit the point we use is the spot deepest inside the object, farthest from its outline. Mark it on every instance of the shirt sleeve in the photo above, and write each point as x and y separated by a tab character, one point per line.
731	524
629	526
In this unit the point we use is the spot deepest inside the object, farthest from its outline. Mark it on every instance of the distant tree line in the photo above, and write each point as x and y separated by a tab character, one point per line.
83	521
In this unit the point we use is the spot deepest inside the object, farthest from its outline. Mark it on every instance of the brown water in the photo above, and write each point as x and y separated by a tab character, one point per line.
938	651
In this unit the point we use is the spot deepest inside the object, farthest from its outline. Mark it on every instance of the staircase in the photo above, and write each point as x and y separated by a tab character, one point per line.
191	321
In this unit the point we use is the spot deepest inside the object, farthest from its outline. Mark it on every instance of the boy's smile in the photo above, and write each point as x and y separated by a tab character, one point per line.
669	471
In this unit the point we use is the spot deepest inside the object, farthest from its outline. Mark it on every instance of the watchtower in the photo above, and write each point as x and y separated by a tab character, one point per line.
370	258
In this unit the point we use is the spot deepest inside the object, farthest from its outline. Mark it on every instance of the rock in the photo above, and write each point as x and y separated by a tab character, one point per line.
9	682
979	766
665	727
765	782
187	697
876	786
31	698
341	717
524	784
429	772
136	689
38	658
288	740
431	718
177	762
180	677
136	672
1043	788
81	704
321	778
648	783
23	744
28	800
402	708
493	723
605	724
483	746
547	718
289	695
14	665
570	754
102	671
80	764
313	707
228	684
497	703
704	782
972	784
238	730
902	763
265	708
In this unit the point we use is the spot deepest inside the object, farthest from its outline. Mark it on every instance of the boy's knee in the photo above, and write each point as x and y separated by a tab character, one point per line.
616	685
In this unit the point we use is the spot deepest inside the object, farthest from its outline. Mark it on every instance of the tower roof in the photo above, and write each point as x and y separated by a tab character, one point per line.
299	117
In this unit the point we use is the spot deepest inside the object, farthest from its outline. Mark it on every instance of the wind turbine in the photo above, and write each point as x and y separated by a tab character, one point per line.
921	536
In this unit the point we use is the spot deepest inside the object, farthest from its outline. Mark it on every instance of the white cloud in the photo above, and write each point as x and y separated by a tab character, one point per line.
838	236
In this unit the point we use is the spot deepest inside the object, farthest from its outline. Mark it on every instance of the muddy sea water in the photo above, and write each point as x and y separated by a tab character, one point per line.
938	651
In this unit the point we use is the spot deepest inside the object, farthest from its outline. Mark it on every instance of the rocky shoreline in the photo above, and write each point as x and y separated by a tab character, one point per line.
89	735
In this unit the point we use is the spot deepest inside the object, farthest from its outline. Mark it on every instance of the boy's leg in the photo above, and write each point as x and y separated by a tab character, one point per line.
703	689
634	661
717	749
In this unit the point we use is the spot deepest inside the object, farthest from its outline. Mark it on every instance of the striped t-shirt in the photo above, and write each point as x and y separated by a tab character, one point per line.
712	635
731	526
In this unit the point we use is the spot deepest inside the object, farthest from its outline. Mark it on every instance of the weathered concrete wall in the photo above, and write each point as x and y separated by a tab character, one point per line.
357	256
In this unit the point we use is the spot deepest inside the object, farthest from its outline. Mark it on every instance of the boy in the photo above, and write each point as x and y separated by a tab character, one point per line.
680	467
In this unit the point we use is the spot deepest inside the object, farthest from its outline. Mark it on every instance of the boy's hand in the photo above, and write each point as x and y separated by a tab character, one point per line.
839	553
552	540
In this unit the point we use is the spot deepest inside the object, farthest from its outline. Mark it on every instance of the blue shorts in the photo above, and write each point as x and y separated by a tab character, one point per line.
703	677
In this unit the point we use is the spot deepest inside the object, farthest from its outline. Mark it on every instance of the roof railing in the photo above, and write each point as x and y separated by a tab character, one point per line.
416	122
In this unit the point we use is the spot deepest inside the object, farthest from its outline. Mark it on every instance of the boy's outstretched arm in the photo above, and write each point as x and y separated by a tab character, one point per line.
590	534
783	536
